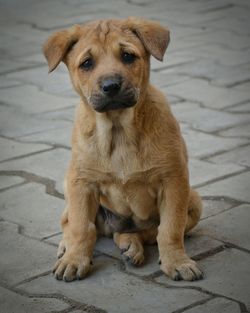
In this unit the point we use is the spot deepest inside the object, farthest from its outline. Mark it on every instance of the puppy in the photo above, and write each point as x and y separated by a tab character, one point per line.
128	176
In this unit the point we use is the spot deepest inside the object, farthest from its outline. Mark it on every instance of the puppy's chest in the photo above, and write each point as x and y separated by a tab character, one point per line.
123	170
118	152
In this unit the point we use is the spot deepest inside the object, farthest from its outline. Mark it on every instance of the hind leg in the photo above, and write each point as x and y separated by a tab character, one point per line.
131	244
194	210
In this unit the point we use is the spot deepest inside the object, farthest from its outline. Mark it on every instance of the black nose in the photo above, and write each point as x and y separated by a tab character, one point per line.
111	85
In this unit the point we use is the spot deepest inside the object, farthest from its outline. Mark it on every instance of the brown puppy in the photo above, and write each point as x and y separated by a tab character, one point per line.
128	174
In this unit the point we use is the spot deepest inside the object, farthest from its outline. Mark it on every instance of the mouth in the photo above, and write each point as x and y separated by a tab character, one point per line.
102	103
113	105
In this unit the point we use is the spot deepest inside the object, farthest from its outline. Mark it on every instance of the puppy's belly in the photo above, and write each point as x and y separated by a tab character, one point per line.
134	200
109	223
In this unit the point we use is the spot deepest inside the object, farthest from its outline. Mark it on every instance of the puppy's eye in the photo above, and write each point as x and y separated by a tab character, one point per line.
87	64
128	58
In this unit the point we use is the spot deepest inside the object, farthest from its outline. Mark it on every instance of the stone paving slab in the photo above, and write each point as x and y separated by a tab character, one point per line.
221	38
35	58
236	187
128	292
207	69
223	226
222	55
13	302
240	131
24	31
30	206
10	181
14	123
57	22
4	82
200	144
11	149
227	273
234	25
189	18
170	60
161	80
65	114
57	82
23	257
241	108
216	305
224	79
10	65
206	120
178	43
244	86
202	172
24	36
213	207
190	7
61	137
31	100
51	164
240	156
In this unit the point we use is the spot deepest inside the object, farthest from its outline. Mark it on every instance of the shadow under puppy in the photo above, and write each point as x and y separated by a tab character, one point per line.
128	175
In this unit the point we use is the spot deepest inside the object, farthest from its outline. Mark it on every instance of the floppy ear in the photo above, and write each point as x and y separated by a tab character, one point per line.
154	37
59	44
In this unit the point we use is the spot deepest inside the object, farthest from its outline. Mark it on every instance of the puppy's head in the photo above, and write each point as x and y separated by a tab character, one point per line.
108	60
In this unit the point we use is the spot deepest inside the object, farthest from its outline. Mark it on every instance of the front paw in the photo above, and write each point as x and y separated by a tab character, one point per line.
72	266
182	269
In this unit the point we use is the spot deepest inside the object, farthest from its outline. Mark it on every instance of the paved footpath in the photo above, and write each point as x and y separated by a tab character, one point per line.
206	76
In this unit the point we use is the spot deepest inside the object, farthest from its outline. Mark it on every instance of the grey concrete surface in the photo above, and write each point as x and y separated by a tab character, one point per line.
206	77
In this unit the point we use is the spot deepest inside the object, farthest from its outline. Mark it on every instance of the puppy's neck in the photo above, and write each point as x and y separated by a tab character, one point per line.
114	129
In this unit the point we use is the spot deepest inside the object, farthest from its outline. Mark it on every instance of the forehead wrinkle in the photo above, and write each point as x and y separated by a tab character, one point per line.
125	44
103	28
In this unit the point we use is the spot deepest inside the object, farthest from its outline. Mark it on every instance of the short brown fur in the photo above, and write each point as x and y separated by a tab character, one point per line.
132	161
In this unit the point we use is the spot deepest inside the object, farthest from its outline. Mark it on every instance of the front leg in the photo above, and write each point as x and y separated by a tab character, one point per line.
173	219
79	230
